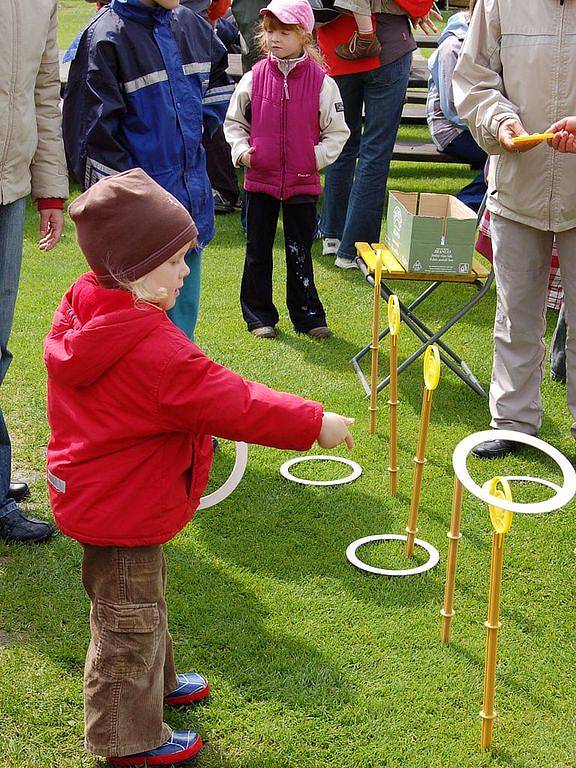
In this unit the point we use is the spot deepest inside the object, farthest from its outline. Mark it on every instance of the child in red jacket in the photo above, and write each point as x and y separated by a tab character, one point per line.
132	403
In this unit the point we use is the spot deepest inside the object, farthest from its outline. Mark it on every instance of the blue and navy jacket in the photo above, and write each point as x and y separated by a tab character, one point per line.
143	85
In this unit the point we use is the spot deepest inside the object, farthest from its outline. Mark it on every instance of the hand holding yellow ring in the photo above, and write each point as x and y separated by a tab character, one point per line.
501	518
431	367
393	315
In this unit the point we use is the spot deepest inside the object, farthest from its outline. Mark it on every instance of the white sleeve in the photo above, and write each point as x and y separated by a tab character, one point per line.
236	125
333	129
478	79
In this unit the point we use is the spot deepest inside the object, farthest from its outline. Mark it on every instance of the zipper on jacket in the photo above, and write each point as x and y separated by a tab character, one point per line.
285	97
12	87
556	99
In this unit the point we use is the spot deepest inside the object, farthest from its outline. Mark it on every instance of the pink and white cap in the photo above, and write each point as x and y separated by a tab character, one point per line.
291	12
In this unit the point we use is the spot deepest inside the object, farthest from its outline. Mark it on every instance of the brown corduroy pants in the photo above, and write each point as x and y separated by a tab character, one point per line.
129	665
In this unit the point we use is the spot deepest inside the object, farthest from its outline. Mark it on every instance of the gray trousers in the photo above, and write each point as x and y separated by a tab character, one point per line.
129	665
521	266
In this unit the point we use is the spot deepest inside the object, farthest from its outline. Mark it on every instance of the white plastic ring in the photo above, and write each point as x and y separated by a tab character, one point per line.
232	481
432	561
354	475
563	494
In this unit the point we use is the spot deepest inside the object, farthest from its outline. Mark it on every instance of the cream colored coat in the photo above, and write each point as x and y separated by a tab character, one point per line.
31	150
519	60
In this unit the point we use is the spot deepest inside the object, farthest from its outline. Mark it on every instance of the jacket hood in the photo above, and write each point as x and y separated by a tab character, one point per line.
457	25
145	14
93	329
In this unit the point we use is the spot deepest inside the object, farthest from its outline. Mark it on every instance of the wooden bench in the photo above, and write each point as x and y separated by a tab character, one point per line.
421	152
413	114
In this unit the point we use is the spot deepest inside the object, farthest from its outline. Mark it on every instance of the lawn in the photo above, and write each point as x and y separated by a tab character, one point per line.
312	663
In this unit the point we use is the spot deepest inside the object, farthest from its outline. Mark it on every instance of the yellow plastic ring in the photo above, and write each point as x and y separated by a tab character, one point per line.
501	518
393	315
431	367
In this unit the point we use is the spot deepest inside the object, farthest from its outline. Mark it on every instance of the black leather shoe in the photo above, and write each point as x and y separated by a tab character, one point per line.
18	491
15	527
495	449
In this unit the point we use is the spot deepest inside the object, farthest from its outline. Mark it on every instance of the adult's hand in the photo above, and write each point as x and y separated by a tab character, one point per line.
565	138
426	24
51	226
508	130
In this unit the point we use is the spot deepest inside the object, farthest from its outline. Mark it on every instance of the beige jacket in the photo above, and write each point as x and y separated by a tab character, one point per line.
31	150
519	60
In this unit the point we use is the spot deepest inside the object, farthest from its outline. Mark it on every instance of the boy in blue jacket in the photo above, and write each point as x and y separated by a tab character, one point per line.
148	78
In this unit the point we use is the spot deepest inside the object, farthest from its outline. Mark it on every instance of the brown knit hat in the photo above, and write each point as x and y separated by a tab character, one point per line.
127	225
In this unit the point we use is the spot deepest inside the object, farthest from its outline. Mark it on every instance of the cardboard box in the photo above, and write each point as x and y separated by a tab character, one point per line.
431	233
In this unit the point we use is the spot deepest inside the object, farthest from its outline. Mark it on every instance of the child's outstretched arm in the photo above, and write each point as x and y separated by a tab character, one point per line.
333	129
237	122
200	396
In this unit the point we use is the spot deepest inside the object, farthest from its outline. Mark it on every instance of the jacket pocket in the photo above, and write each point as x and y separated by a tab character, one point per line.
128	638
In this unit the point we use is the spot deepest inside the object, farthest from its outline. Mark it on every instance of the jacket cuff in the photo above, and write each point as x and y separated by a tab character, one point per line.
51	203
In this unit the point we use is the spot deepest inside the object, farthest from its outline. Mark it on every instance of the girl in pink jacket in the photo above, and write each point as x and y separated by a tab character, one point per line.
284	123
132	403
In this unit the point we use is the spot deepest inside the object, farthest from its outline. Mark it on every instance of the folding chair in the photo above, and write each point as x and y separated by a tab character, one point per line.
480	278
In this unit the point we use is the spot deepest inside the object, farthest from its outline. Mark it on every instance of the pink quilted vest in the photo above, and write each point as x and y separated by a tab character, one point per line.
285	129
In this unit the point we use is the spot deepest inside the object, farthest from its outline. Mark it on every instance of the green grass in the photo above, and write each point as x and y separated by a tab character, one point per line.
72	16
313	664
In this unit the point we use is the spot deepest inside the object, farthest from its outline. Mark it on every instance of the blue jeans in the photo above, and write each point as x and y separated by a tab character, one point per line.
11	239
184	314
355	185
464	147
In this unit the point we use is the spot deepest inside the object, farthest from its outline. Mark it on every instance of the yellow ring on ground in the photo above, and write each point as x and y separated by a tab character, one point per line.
501	518
393	315
431	367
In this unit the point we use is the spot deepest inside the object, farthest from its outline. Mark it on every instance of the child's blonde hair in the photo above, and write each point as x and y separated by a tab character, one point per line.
142	293
271	22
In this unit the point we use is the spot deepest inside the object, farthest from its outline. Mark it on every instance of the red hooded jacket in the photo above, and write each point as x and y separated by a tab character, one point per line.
132	403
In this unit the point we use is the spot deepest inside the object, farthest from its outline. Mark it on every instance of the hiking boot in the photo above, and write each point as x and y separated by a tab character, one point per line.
330	246
359	46
18	491
344	263
180	747
221	205
264	332
495	449
16	527
192	687
320	332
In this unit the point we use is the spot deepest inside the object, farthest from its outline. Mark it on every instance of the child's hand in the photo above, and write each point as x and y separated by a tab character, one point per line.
565	138
335	431
245	158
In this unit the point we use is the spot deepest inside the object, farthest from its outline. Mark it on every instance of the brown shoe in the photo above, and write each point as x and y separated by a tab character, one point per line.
321	332
359	47
264	332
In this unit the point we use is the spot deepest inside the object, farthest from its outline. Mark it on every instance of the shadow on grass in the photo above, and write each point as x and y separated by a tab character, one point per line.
549	701
296	547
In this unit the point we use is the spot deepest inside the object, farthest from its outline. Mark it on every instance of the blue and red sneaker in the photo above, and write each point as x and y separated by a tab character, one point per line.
192	687
180	747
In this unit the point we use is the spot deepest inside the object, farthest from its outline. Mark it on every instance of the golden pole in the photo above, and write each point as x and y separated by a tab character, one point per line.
431	377
374	346
501	521
454	536
394	328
